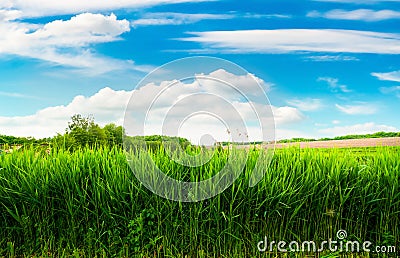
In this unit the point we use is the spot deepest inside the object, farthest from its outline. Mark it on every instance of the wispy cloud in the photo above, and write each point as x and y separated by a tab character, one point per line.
391	90
357	15
390	76
177	18
298	40
170	18
17	95
264	16
332	58
359	109
307	104
334	84
40	8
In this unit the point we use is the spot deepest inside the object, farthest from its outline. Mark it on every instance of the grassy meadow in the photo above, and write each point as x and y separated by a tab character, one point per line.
88	203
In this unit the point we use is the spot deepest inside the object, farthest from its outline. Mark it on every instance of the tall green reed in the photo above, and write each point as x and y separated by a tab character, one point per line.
89	202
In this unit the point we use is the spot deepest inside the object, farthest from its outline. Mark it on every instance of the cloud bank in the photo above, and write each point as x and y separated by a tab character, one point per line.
109	105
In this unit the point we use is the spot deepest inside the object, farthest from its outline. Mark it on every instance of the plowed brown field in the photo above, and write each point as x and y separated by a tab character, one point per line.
371	142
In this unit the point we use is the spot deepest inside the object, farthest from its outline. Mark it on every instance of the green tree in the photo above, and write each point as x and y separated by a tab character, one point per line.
113	134
84	131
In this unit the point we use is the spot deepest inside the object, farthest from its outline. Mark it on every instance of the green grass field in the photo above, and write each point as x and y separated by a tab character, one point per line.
89	203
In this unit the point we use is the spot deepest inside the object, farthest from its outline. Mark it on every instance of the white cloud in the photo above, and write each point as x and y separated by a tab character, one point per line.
81	30
360	109
244	83
330	58
357	15
9	15
306	104
391	76
40	8
366	128
335	122
174	103
298	40
218	92
287	115
334	85
107	106
177	18
67	42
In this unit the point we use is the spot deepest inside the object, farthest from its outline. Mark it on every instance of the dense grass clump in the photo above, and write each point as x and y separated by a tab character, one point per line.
89	203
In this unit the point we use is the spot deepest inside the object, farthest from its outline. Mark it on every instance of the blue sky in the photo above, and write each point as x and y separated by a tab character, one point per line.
332	66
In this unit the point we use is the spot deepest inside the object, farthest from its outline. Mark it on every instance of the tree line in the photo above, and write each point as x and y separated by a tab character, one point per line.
85	132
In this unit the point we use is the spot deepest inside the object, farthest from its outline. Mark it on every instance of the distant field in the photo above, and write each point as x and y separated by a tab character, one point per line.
367	142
